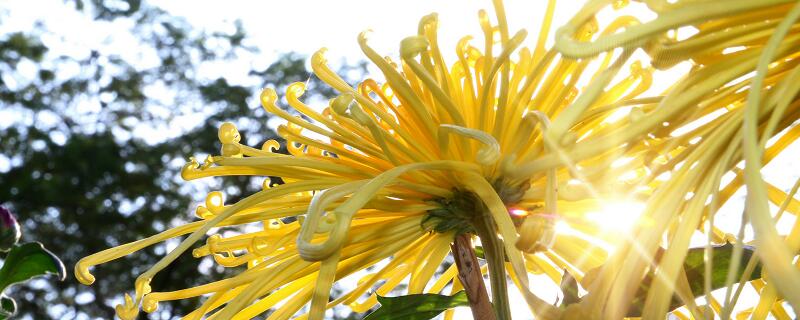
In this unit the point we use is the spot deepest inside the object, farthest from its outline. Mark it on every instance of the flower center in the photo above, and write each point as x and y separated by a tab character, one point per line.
460	212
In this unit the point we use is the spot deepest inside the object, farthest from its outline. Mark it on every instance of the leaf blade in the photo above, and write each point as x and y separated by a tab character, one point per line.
694	264
27	261
416	306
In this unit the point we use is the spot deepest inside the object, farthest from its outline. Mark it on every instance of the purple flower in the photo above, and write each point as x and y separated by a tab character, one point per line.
9	230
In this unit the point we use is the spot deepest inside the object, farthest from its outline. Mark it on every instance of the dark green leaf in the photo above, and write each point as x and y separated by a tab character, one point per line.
722	255
416	306
28	261
694	265
8	307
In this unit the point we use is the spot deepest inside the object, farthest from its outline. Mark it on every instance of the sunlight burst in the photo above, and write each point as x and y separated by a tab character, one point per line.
617	216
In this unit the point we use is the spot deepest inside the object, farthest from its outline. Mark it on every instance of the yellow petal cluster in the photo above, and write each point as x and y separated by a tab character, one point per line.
535	134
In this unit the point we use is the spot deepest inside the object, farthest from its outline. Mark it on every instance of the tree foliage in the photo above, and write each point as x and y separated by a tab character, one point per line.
91	160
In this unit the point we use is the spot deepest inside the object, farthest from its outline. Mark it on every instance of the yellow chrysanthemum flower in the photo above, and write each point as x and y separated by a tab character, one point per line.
503	144
734	46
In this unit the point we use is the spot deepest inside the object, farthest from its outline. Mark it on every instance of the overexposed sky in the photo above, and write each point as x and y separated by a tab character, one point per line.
306	26
282	26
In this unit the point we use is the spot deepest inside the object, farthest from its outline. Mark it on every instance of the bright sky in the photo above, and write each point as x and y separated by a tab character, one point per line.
281	26
290	25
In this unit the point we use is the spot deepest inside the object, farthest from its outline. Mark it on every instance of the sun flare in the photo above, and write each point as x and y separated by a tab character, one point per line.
617	216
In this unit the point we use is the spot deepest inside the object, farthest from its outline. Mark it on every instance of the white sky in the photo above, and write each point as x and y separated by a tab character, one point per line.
281	26
305	26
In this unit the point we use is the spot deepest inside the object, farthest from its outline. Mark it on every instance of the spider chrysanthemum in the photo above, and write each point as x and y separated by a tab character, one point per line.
501	144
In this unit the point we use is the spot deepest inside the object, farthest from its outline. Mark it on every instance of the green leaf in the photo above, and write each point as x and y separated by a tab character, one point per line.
416	306
694	265
8	307
479	252
28	261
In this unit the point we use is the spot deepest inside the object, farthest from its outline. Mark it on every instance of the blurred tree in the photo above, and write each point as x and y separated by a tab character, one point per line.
91	159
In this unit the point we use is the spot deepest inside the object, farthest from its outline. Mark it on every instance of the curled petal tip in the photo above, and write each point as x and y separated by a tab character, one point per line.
432	17
363	36
228	133
488	154
268	97
149	304
82	273
326	224
412	46
203	213
215	202
127	310
186	171
297	89
318	58
341	103
212	242
143	285
271	145
199	252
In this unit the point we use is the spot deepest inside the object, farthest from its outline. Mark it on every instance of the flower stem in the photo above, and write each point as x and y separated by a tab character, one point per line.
469	272
495	257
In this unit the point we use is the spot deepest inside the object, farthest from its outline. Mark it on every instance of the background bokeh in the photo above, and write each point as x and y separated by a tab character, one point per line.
101	103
